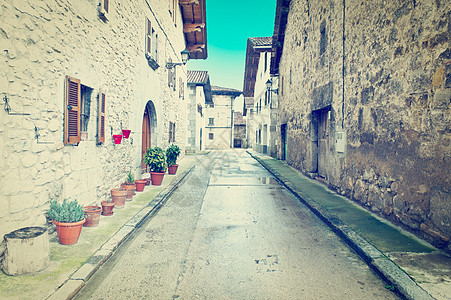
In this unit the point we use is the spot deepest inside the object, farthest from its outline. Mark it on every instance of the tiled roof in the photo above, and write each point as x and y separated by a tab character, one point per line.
238	118
262	41
217	90
198	77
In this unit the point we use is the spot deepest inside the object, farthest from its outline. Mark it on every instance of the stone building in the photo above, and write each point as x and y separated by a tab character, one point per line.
364	94
81	71
239	130
219	118
199	94
262	119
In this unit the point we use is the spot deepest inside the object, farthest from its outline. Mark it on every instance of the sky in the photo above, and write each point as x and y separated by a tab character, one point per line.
229	24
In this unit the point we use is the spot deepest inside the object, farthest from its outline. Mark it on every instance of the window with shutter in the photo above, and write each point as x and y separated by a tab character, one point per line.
101	118
170	75
174	80
72	111
149	38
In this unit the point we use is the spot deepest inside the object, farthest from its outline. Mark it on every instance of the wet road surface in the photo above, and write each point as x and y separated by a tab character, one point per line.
231	232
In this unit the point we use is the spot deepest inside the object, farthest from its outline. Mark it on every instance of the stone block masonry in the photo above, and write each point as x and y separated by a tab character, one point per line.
42	43
379	73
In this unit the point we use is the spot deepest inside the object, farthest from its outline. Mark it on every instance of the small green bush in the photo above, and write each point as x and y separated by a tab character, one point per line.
155	159
67	212
172	153
130	178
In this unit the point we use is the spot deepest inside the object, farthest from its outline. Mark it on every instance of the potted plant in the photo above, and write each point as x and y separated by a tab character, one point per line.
172	153
107	207
92	215
129	185
68	218
156	161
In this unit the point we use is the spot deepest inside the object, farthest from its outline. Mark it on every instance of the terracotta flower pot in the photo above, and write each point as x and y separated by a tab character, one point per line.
68	233
148	181
118	196
140	184
130	188
92	215
107	208
172	169
117	138
126	133
157	178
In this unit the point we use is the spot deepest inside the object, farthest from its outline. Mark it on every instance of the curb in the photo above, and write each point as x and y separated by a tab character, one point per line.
387	269
78	279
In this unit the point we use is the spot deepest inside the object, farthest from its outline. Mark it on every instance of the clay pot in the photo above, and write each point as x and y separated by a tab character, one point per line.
130	188
68	233
148	181
172	169
117	138
92	215
107	208
140	184
126	133
157	178
118	196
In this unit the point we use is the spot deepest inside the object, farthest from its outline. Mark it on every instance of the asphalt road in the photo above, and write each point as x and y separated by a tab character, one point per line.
231	232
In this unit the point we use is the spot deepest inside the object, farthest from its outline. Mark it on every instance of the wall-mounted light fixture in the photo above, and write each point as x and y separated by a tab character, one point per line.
185	57
269	85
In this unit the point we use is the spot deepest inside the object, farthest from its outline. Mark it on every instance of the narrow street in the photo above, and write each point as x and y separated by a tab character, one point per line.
230	231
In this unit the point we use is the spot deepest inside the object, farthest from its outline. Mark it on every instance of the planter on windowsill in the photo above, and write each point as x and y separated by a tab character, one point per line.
117	138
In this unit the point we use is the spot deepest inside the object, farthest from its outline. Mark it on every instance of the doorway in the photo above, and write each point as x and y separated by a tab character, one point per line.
320	140
148	131
283	136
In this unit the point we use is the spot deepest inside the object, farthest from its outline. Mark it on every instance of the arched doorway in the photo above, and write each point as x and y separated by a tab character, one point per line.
149	126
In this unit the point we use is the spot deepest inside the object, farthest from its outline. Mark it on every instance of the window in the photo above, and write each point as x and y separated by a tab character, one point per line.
171	76
77	106
104	8
101	118
171	132
181	89
151	45
173	11
211	121
210	136
266	61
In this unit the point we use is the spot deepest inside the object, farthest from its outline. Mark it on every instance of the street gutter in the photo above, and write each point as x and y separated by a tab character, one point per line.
402	283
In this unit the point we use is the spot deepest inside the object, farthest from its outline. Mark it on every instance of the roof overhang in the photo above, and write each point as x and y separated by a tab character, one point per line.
195	27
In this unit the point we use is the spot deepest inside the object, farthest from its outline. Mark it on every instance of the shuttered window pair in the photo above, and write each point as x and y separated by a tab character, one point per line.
73	111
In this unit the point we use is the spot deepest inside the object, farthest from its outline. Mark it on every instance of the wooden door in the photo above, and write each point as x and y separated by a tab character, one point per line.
323	138
146	134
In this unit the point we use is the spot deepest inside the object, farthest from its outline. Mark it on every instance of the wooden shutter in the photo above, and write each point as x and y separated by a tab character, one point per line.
106	5
174	80
149	38
170	76
72	111
101	118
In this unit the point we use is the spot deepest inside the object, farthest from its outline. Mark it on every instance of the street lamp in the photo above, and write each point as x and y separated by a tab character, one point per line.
185	57
268	87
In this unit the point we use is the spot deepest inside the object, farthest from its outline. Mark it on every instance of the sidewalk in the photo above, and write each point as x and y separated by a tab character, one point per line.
71	266
413	267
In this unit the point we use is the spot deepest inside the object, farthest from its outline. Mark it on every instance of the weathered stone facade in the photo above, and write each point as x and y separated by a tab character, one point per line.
219	118
42	42
365	92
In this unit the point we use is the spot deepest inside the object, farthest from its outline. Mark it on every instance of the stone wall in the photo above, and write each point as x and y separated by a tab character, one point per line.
380	73
42	42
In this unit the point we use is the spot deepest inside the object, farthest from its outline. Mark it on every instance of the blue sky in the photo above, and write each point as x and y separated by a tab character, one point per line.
229	24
